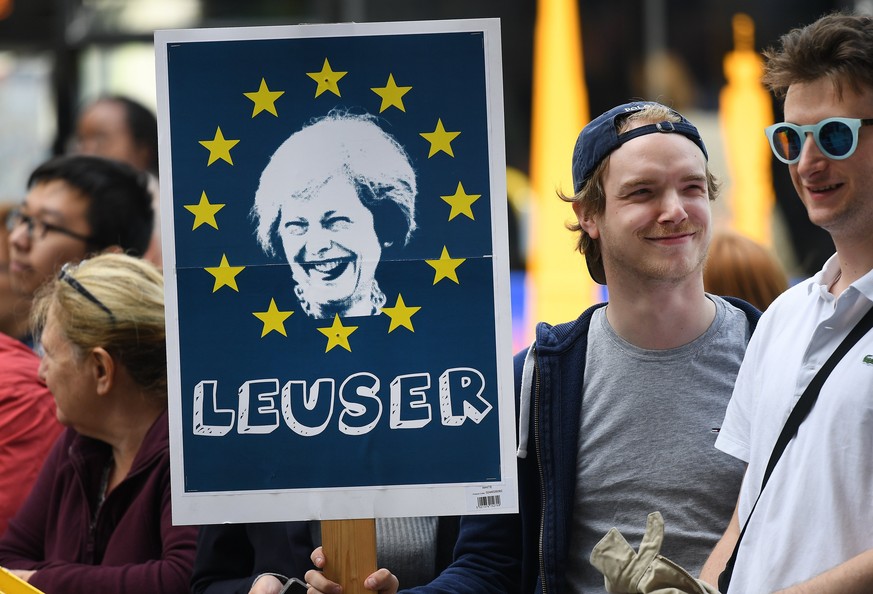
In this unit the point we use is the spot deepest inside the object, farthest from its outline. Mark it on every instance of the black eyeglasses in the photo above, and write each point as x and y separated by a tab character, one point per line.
38	228
65	276
836	138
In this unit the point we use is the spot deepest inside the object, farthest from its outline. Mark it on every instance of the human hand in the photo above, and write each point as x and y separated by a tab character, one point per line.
22	574
381	581
266	584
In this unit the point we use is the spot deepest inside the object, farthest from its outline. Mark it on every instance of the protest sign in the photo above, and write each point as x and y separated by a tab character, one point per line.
335	252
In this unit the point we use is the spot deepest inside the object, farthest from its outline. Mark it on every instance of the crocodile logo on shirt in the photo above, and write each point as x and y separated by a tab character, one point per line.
868	360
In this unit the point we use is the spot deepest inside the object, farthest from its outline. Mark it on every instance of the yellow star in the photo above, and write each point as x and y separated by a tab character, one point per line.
461	202
273	319
400	314
440	140
337	334
264	99
327	79
225	274
219	148
204	212
446	267
391	94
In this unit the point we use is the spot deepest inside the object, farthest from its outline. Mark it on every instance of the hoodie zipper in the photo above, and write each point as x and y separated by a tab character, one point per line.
536	405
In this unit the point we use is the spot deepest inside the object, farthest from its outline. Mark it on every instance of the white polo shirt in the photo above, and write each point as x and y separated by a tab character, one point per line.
817	509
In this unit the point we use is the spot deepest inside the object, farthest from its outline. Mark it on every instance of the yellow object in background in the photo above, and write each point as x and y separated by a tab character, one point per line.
745	110
558	286
10	584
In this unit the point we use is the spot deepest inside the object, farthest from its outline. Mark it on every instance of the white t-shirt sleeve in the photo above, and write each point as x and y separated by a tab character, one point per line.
734	436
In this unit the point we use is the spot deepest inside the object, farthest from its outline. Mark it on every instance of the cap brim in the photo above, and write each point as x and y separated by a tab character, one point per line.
596	272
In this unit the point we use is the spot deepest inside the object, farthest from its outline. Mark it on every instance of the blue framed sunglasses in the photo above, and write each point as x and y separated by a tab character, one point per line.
836	138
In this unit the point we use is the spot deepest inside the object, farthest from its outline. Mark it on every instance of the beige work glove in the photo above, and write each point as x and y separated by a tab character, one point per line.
628	572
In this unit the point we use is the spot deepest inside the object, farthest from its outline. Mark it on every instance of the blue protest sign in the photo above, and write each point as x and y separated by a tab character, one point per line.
334	223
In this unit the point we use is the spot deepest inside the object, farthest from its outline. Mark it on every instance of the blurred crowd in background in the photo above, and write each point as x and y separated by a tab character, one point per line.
58	56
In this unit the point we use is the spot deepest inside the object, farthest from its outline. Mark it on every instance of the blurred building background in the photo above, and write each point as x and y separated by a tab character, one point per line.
56	55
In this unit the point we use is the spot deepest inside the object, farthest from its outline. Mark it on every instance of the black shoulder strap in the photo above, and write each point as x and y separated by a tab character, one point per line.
810	395
798	414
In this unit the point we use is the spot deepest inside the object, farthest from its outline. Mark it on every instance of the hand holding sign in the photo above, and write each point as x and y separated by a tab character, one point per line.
381	581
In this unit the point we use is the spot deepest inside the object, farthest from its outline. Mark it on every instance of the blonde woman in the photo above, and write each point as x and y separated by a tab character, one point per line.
98	518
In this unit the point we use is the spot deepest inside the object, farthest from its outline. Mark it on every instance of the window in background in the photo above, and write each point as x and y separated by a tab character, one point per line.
125	69
27	118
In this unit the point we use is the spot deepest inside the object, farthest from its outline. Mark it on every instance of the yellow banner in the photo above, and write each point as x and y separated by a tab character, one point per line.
10	584
558	287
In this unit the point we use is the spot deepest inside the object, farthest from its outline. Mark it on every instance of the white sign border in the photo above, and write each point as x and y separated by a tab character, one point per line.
346	502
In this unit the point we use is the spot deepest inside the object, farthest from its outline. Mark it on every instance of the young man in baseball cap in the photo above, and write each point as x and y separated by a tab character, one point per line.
620	408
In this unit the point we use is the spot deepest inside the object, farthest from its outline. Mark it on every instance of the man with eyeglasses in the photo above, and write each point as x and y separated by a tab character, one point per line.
75	206
809	528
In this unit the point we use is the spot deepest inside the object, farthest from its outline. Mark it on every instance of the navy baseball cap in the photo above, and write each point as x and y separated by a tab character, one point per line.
600	138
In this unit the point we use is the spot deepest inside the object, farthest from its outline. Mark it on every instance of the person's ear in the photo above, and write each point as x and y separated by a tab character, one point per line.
587	222
113	249
103	368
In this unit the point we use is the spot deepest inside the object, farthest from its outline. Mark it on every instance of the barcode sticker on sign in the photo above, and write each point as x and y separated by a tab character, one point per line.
488	501
486	497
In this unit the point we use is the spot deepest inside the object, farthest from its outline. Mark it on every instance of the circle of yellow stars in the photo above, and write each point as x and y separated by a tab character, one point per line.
264	100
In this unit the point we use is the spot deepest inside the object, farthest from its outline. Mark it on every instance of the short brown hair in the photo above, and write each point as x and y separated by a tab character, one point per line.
740	267
838	46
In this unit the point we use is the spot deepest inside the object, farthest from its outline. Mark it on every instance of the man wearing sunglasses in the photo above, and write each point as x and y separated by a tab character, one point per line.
810	530
75	206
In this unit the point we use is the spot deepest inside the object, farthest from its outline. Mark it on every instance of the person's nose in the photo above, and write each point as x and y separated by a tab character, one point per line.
318	240
85	145
21	237
672	208
812	160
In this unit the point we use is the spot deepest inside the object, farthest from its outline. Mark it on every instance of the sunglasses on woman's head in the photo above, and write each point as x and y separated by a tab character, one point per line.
66	275
836	138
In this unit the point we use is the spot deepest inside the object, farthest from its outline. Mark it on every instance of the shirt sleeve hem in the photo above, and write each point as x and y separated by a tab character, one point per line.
732	447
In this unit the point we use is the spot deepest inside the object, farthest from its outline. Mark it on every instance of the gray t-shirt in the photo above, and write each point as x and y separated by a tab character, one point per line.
648	428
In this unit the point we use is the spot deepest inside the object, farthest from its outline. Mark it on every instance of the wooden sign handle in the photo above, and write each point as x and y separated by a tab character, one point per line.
350	548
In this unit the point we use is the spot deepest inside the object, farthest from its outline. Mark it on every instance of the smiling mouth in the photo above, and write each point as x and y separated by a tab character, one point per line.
821	189
671	237
327	270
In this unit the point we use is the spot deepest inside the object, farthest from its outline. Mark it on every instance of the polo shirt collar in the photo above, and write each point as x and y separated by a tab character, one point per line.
829	273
